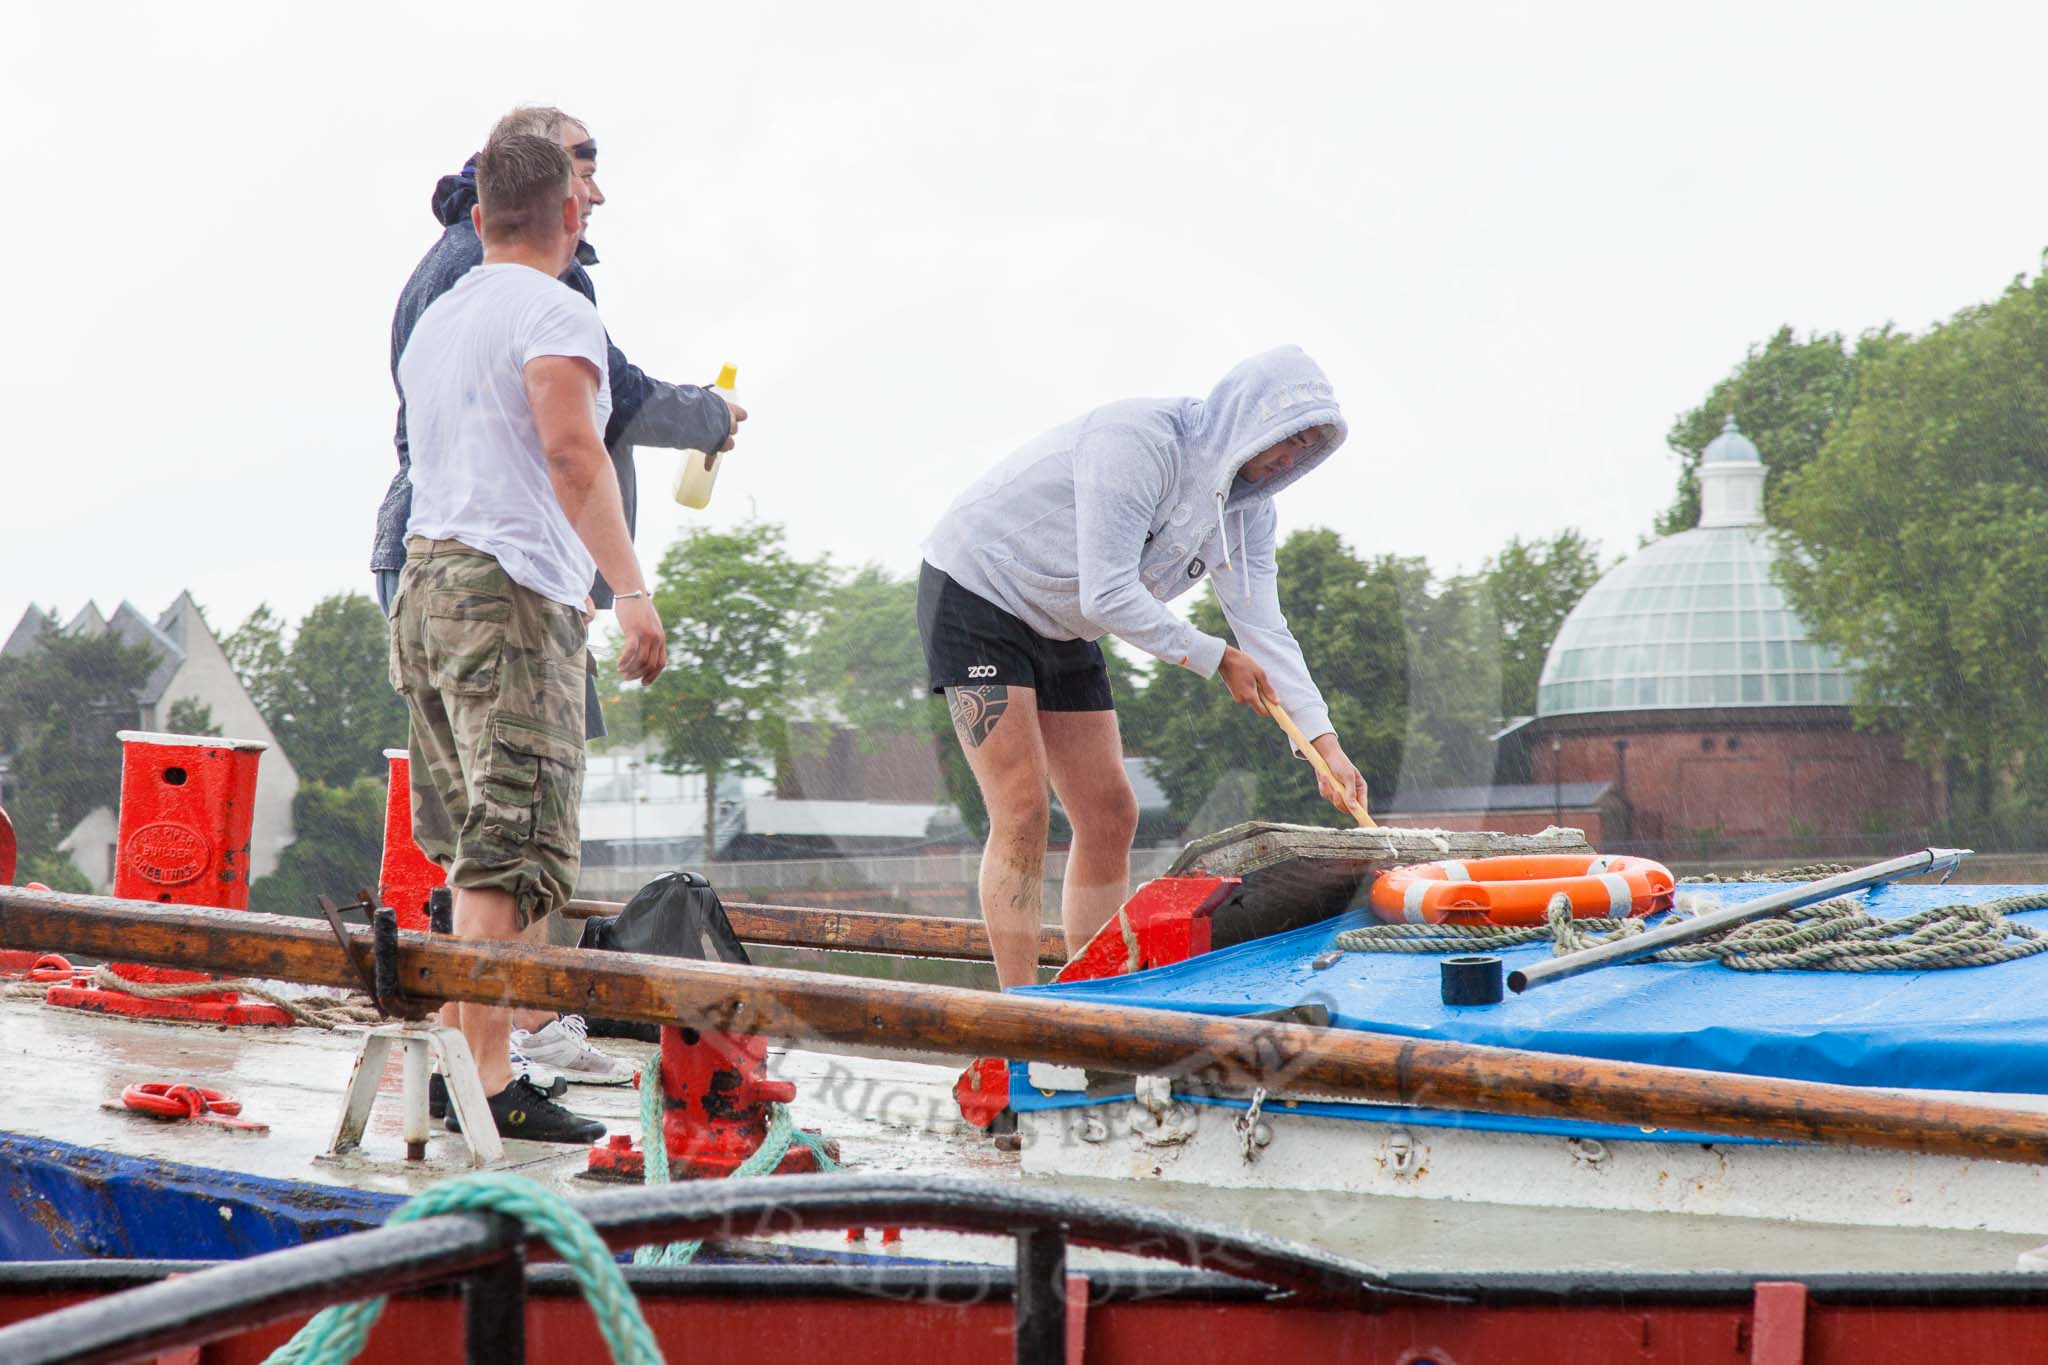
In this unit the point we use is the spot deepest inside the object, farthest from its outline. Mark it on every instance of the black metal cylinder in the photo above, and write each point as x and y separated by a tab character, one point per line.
441	911
1472	980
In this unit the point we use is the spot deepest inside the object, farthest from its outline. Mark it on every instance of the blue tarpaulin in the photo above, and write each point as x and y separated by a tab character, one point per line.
1973	1028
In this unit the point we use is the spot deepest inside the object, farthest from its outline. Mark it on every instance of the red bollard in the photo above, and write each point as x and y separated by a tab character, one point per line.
716	1098
408	874
187	805
718	1093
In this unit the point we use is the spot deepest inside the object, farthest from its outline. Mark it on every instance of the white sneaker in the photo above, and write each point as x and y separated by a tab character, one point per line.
564	1047
543	1078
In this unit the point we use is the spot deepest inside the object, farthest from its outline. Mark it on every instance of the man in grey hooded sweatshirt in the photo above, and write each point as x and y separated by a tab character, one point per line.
1090	530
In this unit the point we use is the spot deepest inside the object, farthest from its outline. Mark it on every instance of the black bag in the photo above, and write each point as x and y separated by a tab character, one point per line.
675	915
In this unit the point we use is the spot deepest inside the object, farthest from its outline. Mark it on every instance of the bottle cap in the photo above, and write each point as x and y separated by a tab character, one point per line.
728	375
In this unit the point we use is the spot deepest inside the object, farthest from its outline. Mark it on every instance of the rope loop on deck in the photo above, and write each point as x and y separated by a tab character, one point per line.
335	1335
1834	936
320	1011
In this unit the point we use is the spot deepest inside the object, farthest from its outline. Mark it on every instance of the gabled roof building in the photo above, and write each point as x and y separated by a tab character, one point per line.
190	666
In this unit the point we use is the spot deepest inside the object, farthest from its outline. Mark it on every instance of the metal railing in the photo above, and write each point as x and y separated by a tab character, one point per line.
486	1253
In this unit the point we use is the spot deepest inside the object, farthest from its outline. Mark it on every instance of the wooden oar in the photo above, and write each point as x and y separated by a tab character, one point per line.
1315	760
856	931
1284	1058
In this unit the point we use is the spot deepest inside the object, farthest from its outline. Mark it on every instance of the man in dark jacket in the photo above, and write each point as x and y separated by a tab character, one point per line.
645	410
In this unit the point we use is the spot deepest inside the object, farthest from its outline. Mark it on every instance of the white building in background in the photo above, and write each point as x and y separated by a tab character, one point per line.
635	814
191	666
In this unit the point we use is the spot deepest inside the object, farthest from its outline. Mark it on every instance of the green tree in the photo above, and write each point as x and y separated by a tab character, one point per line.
60	706
1531	586
327	696
865	659
1347	614
190	716
739	609
1454	680
1785	395
339	848
1921	546
866	662
56	870
256	651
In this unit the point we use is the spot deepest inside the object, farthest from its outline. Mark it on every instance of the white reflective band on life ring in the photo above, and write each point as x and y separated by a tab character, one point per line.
1619	897
1454	871
1596	867
1411	901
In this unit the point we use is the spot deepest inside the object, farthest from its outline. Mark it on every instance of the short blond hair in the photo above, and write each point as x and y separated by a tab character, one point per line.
520	181
535	120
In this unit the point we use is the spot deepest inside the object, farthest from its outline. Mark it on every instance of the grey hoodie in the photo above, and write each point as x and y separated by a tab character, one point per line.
1092	528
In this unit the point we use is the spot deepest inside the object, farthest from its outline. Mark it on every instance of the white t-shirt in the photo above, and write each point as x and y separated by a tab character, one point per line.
478	473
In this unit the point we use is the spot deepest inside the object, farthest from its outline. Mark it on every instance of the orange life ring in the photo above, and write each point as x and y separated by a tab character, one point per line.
1517	891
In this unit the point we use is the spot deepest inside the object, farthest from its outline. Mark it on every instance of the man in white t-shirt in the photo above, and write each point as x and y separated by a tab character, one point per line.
514	505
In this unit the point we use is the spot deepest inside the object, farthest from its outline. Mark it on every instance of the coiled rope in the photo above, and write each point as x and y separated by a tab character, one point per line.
336	1334
782	1131
1833	936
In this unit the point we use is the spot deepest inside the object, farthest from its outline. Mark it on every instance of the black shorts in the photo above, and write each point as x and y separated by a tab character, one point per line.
969	641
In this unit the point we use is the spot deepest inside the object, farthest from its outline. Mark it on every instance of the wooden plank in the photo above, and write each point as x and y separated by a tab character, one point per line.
799	1006
1303	874
857	931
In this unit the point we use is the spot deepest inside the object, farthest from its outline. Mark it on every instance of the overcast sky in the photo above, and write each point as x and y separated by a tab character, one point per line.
1520	238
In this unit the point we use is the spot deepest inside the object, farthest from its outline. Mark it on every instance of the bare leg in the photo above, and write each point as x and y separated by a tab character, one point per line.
1084	753
483	914
998	730
534	1020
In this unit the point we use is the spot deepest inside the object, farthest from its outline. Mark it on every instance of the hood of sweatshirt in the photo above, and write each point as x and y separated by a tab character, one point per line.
455	195
1260	403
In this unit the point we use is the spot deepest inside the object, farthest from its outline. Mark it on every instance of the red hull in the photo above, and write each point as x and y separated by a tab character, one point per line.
1651	1324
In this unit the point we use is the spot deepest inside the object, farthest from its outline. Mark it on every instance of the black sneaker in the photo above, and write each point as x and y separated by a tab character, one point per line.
437	1094
523	1110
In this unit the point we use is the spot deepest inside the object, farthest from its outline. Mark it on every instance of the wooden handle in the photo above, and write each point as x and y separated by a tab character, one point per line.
1279	713
855	931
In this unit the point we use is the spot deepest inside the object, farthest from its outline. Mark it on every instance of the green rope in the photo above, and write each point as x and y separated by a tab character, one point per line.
782	1131
336	1334
1833	936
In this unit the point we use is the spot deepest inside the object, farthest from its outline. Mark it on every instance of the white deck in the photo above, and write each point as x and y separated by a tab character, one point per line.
887	1115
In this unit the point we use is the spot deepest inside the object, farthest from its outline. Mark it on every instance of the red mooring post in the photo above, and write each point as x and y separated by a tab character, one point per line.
407	874
716	1099
188	803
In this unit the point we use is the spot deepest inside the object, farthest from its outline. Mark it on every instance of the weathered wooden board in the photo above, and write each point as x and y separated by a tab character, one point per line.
1302	874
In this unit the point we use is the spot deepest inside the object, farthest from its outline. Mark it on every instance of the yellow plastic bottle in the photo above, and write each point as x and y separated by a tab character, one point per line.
699	472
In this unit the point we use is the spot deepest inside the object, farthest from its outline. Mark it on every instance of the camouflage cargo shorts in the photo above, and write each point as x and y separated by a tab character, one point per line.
492	676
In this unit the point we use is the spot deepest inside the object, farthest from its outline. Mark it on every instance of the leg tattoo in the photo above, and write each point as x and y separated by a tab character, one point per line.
976	711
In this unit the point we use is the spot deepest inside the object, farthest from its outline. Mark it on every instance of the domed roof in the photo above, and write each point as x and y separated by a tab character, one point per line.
1694	620
1731	447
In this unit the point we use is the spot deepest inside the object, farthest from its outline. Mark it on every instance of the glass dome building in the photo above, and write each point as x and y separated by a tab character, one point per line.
1694	620
1686	704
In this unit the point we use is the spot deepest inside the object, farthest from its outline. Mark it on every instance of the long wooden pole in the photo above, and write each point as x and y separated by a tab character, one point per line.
1283	1058
857	931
